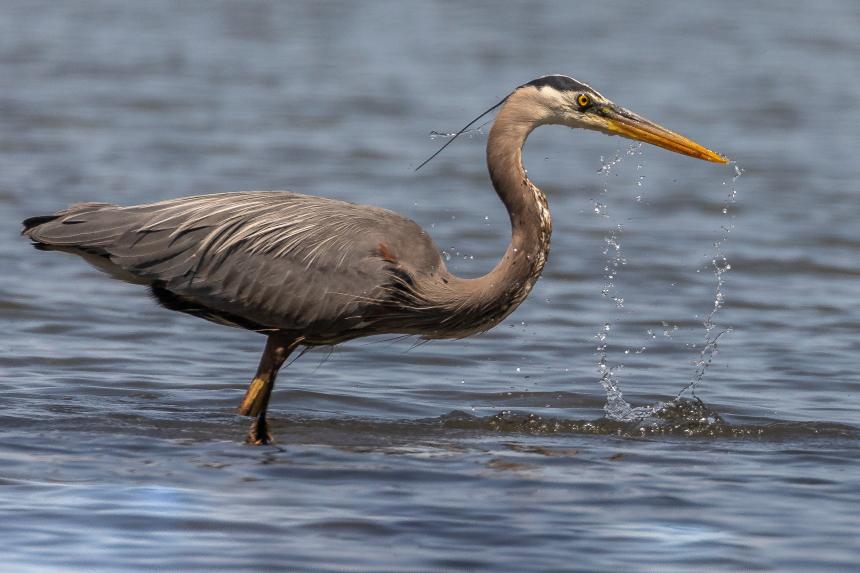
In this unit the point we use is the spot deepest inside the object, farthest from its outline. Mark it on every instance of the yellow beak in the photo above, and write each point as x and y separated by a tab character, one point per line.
623	122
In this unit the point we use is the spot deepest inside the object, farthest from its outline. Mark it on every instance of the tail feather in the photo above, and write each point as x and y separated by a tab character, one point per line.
31	222
68	228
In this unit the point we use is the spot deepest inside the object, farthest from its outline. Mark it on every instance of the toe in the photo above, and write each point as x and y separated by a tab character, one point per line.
259	434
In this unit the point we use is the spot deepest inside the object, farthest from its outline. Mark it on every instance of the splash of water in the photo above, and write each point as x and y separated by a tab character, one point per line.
616	407
471	132
713	332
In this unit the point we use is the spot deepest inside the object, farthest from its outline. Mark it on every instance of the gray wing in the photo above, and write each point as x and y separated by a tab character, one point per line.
263	260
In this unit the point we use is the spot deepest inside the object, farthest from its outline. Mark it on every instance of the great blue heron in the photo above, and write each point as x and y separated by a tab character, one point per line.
308	271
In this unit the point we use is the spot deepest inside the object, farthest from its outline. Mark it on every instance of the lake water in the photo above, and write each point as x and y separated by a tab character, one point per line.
119	448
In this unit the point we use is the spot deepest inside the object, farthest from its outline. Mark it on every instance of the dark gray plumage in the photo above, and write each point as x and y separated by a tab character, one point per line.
268	261
313	271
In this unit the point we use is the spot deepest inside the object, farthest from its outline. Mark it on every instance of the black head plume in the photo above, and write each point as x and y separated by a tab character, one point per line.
459	133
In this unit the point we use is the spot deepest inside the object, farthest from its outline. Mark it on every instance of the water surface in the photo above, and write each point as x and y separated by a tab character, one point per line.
119	444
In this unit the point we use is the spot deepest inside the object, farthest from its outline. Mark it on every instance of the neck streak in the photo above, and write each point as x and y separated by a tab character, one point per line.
531	225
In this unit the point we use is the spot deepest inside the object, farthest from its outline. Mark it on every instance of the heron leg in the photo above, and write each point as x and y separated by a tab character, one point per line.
260	390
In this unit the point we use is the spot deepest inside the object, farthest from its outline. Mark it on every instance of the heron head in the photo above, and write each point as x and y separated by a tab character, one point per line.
563	100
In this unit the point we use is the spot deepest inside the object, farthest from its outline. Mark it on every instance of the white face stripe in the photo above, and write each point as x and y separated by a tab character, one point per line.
553	98
546	104
562	105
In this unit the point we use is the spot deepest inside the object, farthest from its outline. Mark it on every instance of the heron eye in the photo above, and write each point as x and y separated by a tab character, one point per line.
583	100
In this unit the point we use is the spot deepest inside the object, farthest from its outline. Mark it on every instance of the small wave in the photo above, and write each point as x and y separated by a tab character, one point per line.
680	417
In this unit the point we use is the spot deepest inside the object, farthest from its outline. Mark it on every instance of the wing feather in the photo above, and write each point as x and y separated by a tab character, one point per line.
275	259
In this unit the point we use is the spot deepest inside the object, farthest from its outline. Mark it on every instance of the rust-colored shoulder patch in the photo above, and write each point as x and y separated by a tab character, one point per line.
386	253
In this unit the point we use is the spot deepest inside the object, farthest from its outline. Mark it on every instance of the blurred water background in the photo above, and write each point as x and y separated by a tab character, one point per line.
119	449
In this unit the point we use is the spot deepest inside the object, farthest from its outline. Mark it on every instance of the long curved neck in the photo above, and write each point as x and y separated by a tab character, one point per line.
481	303
527	207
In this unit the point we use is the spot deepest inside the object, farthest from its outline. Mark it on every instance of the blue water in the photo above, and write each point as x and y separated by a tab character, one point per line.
119	448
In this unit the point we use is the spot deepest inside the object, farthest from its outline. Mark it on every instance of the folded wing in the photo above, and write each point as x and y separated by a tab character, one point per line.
260	260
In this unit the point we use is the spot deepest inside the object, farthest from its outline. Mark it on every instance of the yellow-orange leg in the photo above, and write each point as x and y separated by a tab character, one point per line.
260	390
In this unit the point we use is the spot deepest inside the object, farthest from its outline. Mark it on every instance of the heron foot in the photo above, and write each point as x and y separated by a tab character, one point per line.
259	434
